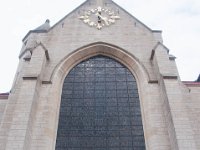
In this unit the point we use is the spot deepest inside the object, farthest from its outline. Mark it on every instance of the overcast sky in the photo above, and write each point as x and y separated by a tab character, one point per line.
178	19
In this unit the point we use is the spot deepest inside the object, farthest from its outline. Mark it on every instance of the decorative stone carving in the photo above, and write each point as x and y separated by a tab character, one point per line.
99	17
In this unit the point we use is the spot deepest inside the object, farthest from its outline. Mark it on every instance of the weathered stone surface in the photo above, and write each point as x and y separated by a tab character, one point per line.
169	109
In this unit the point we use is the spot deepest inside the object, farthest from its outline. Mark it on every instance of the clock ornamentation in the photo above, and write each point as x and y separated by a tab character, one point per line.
99	17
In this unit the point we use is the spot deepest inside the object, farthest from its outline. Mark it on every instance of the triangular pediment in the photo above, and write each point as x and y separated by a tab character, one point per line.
110	15
107	5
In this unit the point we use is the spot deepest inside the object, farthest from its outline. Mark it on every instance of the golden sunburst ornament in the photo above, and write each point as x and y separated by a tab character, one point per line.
99	17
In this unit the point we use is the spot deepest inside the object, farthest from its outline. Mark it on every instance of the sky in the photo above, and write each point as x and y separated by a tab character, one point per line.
178	19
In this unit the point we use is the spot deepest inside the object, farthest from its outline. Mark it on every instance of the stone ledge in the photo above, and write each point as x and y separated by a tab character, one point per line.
46	82
174	77
153	81
30	78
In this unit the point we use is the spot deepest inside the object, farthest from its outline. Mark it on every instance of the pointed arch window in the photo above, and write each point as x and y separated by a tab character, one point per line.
100	108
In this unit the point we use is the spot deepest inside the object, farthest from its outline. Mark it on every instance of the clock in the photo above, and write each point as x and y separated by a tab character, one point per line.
99	17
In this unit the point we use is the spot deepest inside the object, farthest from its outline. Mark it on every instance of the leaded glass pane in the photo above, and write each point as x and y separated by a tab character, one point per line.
100	108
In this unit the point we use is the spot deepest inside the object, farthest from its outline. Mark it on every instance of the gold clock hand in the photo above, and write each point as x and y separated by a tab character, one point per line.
106	21
103	18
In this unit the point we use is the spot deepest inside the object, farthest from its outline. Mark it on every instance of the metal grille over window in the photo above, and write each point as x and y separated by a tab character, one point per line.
100	108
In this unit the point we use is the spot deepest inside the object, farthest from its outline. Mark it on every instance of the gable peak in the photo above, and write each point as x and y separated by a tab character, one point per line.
99	2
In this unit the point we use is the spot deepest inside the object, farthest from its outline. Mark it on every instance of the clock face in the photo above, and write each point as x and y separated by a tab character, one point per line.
99	17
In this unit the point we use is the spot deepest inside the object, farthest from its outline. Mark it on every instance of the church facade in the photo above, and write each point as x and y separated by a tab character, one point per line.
99	79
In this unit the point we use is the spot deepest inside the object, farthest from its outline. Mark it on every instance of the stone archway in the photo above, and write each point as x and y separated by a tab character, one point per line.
89	51
100	108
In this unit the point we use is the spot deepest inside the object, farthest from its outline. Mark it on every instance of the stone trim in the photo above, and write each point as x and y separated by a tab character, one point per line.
161	44
157	31
170	77
122	56
104	52
46	82
155	47
153	81
152	54
33	31
30	78
31	49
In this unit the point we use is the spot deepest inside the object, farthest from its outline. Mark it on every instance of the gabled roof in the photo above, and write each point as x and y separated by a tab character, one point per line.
114	4
46	27
191	83
4	96
41	29
68	15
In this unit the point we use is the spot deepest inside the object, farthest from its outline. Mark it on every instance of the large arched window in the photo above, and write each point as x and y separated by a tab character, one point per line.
100	108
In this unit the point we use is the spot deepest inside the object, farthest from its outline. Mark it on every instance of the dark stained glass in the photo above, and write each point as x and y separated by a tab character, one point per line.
100	108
